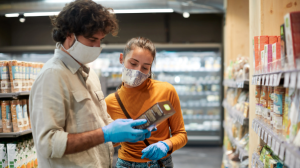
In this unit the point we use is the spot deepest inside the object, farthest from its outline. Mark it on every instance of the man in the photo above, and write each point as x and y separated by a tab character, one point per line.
70	124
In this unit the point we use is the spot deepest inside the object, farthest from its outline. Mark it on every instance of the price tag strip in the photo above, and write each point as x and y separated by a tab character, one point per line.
267	80
293	79
286	79
271	80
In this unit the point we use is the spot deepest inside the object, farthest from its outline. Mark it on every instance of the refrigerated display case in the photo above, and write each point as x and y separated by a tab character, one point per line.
196	73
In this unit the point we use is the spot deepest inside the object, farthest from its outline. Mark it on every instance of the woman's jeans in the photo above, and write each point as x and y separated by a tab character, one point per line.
151	164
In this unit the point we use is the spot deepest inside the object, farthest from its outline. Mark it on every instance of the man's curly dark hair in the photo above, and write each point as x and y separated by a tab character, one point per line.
83	17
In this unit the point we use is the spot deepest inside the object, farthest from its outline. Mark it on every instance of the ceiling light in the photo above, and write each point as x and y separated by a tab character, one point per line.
12	15
22	20
143	11
40	14
186	15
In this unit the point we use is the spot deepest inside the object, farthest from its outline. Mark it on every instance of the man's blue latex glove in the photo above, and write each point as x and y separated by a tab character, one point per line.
121	131
156	151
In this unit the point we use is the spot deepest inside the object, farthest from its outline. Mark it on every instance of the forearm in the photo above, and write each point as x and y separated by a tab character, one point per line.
170	144
84	141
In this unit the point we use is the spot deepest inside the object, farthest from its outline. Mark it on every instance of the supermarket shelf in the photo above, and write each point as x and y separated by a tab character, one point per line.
239	148
202	117
13	95
14	134
203	138
235	114
287	152
255	161
236	83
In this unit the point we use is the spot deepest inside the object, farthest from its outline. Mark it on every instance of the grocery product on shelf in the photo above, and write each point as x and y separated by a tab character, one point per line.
6	116
238	70
291	26
19	154
15	115
18	76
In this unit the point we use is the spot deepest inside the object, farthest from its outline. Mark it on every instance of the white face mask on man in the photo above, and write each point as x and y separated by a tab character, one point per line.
133	77
82	53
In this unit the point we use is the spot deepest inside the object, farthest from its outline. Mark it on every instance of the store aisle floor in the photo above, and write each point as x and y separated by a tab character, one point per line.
196	157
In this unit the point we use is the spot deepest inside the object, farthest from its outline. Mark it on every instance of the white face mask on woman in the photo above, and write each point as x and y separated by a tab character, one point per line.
133	77
82	53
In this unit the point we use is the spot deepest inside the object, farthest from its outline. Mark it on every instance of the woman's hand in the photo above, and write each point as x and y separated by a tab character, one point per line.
156	151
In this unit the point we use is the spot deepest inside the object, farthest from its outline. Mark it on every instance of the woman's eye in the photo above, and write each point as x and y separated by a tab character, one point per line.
92	40
133	64
145	68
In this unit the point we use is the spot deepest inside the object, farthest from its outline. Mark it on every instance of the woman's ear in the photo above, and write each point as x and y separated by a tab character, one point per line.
121	58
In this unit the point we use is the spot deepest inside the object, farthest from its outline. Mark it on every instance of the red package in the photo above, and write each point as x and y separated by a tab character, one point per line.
292	38
273	39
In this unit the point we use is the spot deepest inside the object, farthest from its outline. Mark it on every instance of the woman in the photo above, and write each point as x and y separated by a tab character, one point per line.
138	93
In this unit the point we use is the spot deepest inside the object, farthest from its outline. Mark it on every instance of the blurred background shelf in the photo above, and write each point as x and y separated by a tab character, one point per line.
15	134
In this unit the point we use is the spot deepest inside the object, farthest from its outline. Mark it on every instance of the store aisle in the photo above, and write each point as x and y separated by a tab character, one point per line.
196	157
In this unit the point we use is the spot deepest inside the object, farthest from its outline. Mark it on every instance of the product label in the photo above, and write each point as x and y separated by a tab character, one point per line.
24	73
25	115
277	121
278	103
4	73
19	115
17	84
8	118
15	72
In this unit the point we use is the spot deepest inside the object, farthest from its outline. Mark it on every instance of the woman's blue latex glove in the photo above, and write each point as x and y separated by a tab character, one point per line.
121	131
156	151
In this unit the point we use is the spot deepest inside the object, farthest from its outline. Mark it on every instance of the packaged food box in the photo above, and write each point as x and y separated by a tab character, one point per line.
292	38
17	116
156	114
6	116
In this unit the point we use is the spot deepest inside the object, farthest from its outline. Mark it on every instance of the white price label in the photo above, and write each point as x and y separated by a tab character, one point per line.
262	134
259	80
267	80
298	83
263	80
266	137
275	80
259	131
293	161
270	141
282	151
271	80
286	79
287	158
277	147
293	79
273	144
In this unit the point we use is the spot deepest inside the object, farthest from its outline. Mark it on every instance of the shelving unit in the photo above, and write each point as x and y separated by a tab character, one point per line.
14	96
236	83
265	19
287	152
235	114
239	148
255	162
15	134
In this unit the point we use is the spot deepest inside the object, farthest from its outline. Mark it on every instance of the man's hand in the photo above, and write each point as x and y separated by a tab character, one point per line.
122	130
